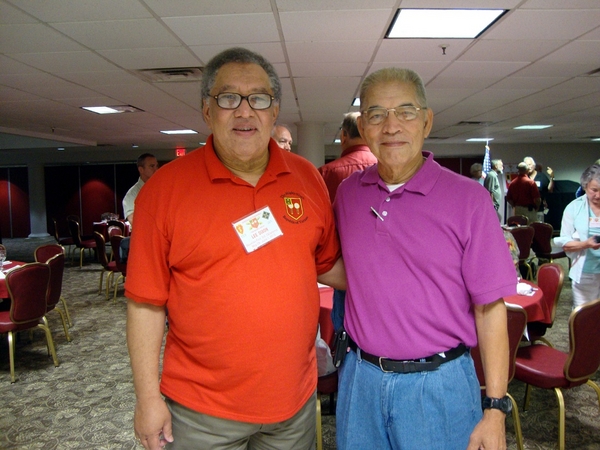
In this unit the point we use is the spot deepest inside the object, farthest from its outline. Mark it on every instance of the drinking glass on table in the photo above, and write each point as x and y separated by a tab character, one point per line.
2	257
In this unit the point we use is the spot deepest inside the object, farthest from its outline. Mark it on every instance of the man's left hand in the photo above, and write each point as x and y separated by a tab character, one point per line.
489	434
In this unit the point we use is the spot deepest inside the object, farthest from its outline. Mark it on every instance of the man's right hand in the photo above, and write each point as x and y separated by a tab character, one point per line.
152	423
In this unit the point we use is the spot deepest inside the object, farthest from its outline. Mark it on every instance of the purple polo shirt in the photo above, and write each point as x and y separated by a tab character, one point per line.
413	278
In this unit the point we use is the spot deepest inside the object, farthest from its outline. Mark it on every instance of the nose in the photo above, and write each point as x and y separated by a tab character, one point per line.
392	124
244	109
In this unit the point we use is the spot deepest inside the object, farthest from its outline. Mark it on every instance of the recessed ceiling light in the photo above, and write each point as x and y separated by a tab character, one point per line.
337	141
356	102
480	139
179	132
111	109
596	139
60	149
532	127
442	23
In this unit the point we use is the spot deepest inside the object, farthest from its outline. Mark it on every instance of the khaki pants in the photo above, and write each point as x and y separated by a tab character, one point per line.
194	430
524	211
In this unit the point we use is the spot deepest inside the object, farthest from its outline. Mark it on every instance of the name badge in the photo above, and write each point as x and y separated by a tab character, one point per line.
257	229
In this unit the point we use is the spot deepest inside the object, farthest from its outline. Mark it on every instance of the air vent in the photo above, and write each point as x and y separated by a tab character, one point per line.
466	123
172	75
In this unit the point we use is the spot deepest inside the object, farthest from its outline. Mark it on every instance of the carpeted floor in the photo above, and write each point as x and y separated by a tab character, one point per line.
87	402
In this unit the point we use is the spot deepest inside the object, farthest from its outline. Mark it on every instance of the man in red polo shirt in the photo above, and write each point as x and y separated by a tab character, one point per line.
232	239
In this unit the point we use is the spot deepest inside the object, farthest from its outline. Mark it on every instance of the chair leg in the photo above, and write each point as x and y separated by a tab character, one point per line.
101	280
516	422
64	323
319	424
11	355
50	343
81	250
561	418
64	303
527	395
117	287
109	282
596	388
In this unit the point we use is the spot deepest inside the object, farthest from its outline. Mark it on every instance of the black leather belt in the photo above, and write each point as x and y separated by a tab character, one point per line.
412	365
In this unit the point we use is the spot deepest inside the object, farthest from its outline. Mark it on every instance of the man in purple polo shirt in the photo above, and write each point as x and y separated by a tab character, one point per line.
422	289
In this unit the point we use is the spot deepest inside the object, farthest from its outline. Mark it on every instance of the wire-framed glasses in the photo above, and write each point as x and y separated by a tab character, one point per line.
231	100
376	115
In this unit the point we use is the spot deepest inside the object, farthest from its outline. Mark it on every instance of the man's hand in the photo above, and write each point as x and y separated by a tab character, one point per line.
152	423
489	434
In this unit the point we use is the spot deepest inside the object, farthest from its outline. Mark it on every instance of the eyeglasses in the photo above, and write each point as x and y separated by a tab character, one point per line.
376	116
231	100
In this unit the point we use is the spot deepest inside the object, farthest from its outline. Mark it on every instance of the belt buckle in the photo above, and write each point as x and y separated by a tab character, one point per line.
381	365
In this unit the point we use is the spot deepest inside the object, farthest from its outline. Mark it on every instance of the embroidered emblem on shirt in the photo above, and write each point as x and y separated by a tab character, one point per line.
293	207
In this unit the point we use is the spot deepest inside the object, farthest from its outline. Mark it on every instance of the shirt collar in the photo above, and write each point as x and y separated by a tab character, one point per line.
422	181
276	166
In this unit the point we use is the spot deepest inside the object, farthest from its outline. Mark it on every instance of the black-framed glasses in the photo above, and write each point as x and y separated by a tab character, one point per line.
231	100
376	115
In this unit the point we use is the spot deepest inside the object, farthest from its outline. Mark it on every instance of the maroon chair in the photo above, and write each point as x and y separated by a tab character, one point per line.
516	322
57	268
542	243
551	277
107	266
44	252
517	221
82	243
66	241
27	287
115	243
548	368
524	237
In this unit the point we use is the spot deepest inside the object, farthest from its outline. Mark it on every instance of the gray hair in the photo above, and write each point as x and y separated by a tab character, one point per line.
589	174
494	162
349	125
242	56
394	74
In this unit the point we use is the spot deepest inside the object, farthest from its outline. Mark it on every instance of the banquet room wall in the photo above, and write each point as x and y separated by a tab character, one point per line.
88	181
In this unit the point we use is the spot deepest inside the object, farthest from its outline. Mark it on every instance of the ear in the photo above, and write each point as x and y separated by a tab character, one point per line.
359	125
428	122
206	111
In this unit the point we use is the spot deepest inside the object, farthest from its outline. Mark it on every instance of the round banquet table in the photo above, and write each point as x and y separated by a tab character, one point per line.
536	308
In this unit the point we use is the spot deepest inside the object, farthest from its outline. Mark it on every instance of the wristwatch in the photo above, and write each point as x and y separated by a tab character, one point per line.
503	404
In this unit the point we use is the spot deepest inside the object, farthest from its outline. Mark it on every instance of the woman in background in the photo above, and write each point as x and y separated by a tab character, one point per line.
580	238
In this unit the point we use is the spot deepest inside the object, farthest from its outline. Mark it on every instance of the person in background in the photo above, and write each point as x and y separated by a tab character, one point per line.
580	238
147	165
523	195
544	183
580	191
477	173
355	156
492	184
408	380
217	232
283	137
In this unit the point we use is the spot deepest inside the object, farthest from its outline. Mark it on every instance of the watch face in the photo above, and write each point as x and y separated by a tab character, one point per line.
503	404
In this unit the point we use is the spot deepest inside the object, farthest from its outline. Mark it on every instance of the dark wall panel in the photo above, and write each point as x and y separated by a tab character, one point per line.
62	196
97	194
19	194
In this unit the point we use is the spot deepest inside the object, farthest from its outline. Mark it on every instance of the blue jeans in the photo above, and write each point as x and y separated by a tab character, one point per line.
338	310
424	410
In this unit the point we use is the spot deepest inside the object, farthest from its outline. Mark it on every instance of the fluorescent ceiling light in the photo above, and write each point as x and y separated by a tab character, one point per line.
442	23
596	139
532	127
179	132
356	102
337	141
480	139
111	109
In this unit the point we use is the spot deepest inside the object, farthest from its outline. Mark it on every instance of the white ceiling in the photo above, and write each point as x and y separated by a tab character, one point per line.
531	67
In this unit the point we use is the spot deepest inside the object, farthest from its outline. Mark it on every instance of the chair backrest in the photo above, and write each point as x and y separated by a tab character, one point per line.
116	227
44	252
550	280
516	321
115	244
101	249
55	229
27	287
542	238
57	269
524	238
75	231
517	220
584	336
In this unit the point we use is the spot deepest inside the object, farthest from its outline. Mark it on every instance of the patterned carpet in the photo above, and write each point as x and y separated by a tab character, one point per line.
87	402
